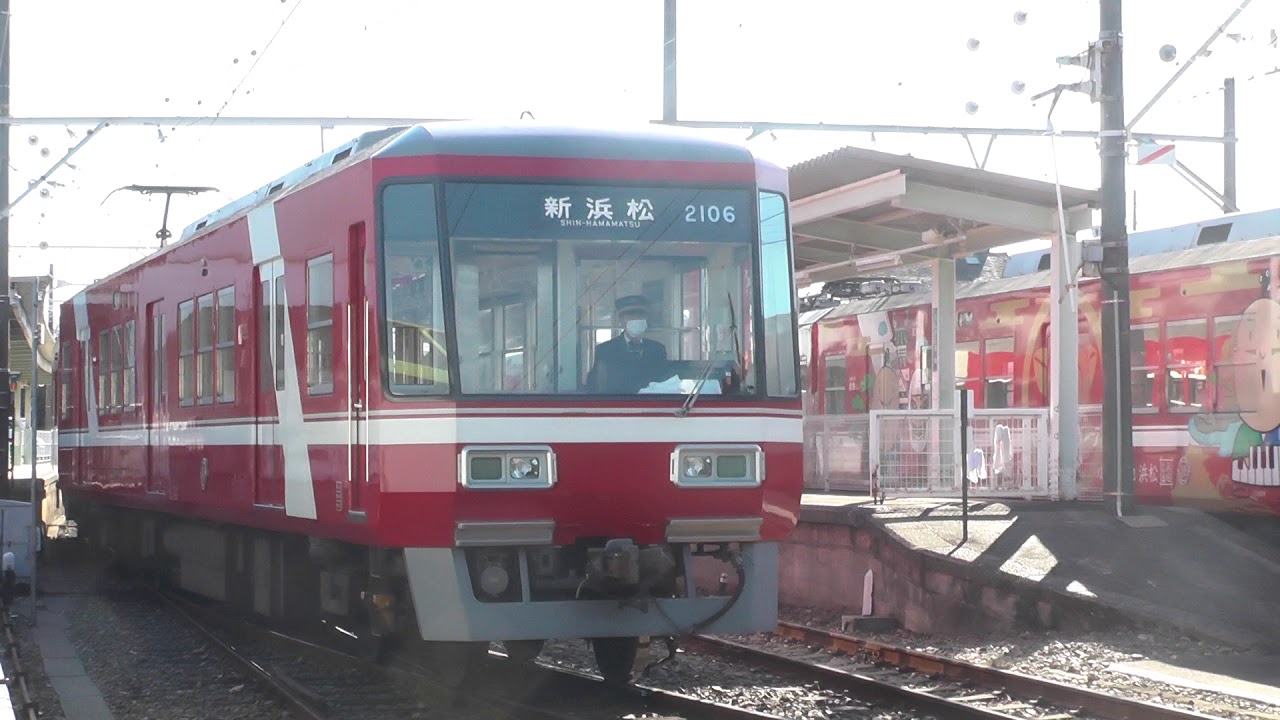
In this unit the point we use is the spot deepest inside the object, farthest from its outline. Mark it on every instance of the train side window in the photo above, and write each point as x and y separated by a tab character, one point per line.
225	339
103	363
204	349
997	360
1187	361
128	361
113	378
777	295
837	385
320	325
1145	366
186	352
65	378
1223	377
416	356
969	370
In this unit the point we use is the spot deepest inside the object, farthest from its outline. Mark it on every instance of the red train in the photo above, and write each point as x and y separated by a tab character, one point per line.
388	390
1205	358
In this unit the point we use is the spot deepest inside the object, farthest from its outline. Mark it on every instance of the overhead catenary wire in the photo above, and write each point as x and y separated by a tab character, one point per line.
257	59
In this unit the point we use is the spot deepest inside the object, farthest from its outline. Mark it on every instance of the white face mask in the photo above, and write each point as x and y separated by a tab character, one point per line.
636	328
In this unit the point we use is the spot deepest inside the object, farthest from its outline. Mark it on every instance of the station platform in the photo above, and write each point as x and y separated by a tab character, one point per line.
1034	564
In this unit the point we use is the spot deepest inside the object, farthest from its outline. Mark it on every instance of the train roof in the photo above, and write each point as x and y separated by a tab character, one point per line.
1235	227
518	139
1203	255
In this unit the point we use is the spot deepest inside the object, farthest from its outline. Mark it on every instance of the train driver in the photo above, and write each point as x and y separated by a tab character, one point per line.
630	361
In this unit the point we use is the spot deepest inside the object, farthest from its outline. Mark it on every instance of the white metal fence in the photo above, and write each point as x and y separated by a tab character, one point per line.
898	453
915	452
1009	453
837	453
1089	466
46	445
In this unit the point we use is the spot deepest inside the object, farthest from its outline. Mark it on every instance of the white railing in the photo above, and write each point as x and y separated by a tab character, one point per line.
1089	467
1013	462
46	446
836	453
900	453
915	452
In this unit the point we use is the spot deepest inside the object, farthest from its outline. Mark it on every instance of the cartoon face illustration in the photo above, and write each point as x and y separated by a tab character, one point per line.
1255	365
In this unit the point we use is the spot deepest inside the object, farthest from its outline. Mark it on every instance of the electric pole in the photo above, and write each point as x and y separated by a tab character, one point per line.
1117	399
6	394
668	61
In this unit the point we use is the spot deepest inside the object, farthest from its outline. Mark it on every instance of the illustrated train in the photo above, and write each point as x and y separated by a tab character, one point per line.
360	394
1205	358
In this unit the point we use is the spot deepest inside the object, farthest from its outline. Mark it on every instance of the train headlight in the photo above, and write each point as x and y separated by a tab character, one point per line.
513	467
717	466
697	466
524	467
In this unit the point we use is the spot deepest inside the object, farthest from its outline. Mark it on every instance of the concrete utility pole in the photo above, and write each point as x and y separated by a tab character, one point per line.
669	61
1117	399
6	394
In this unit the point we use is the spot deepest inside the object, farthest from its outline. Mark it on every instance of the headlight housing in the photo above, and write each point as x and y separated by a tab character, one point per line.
717	466
510	467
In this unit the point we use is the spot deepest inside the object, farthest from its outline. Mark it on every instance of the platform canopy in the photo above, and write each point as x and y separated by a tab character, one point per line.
855	211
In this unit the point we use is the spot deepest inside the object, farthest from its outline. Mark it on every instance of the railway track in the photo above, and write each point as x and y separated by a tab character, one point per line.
947	687
16	678
319	682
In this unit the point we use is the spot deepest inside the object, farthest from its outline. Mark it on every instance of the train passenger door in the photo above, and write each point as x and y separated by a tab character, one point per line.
357	341
268	456
157	410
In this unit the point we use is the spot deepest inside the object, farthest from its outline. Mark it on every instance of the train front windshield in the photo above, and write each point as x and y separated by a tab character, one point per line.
586	290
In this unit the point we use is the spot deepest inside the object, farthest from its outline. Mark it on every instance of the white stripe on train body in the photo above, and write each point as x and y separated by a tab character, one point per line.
385	431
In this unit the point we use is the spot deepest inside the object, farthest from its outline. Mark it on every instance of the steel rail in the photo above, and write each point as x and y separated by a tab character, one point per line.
279	684
1104	705
17	677
851	682
568	682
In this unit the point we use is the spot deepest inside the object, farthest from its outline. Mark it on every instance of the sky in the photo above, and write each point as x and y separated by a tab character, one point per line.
592	62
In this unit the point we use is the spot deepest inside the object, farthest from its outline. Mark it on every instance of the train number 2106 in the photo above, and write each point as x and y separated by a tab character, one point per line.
709	214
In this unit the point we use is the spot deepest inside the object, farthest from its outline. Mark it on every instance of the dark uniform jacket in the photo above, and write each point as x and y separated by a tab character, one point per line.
624	367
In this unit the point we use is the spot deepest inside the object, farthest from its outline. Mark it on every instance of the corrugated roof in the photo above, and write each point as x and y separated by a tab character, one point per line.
944	210
851	164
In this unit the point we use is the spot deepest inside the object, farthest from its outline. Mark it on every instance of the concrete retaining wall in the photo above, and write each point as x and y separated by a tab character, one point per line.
824	562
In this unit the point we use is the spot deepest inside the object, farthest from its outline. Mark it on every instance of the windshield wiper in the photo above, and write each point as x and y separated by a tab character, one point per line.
683	410
690	401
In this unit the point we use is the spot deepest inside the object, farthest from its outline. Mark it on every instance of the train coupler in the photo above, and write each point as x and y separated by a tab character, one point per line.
672	649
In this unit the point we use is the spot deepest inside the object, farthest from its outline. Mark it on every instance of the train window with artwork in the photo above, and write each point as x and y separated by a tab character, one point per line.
1145	366
997	360
416	356
606	290
837	383
204	349
186	352
320	325
969	369
1187	360
1228	360
225	344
